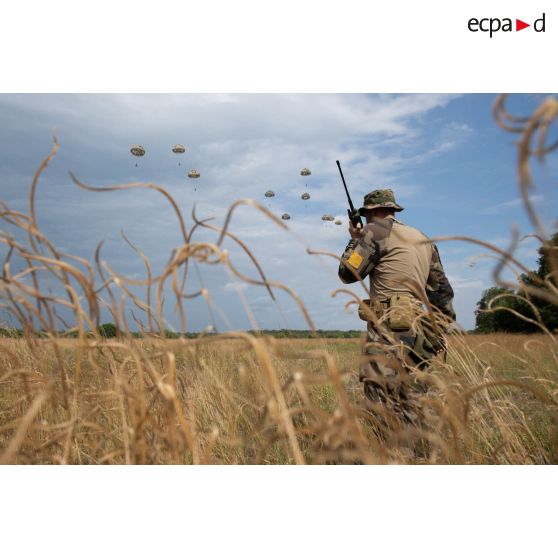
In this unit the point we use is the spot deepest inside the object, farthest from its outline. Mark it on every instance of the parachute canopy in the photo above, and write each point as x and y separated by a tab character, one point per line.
137	151
178	148
285	216
194	174
269	194
338	222
305	196
305	172
327	217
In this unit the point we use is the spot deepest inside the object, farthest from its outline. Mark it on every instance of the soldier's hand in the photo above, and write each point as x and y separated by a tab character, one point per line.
354	231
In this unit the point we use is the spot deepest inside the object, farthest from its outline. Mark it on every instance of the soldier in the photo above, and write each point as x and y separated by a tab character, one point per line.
405	270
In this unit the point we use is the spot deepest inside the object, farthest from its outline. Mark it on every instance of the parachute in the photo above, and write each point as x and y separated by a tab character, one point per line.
305	172
285	216
137	151
305	196
179	149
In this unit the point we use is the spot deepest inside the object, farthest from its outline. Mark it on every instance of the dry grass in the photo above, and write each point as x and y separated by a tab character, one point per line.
239	398
261	400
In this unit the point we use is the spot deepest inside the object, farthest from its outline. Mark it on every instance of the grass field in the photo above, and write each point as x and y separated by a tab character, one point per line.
262	400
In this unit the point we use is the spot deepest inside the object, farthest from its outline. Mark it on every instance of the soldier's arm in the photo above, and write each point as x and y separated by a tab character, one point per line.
347	271
362	255
438	288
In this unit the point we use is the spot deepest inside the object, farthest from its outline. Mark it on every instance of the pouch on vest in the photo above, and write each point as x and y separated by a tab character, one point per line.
365	311
370	309
402	312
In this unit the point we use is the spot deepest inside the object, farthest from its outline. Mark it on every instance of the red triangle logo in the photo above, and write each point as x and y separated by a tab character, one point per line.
519	25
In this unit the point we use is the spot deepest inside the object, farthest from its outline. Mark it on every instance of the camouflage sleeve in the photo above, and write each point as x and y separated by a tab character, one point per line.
438	288
346	273
362	255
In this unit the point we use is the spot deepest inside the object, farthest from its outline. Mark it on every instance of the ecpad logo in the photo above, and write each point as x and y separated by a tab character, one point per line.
493	25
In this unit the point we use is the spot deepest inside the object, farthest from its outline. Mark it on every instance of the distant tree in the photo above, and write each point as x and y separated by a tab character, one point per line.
10	332
547	271
504	300
548	260
108	330
488	319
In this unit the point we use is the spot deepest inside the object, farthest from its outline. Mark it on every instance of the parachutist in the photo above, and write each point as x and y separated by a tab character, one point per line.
178	149
137	151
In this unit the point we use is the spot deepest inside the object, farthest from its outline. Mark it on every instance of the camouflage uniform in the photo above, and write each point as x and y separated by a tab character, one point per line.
403	267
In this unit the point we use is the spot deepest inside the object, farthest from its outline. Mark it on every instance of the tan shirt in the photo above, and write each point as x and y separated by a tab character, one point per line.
406	263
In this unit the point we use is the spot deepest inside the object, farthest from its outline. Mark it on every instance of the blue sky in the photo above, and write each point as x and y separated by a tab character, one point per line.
449	164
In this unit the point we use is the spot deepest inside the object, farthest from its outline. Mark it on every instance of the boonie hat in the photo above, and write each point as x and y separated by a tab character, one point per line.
380	198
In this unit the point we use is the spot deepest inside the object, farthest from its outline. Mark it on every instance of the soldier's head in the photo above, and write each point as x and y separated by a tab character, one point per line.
379	203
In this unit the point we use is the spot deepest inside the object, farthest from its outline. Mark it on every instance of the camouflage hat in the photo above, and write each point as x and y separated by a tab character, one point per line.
380	198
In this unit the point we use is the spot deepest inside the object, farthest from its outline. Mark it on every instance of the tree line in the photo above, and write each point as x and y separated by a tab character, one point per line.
508	310
109	330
